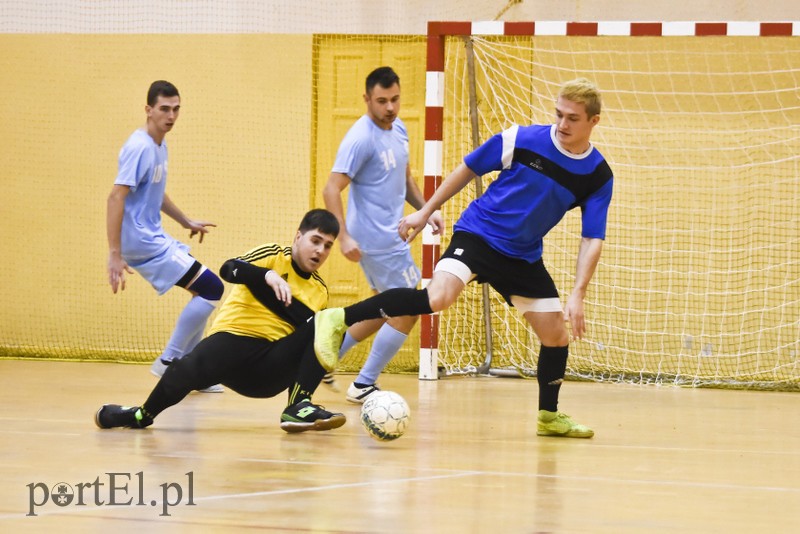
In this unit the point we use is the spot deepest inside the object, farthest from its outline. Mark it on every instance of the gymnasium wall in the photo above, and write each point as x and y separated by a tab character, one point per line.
243	153
239	156
261	118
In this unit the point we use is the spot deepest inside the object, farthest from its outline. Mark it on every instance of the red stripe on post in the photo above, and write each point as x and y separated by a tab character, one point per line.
431	184
582	28
449	28
646	29
429	324
435	57
434	118
776	29
436	36
430	255
519	28
703	29
429	332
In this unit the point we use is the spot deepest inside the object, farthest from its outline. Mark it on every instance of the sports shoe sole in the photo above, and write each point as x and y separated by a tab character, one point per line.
97	419
569	434
332	422
328	357
212	389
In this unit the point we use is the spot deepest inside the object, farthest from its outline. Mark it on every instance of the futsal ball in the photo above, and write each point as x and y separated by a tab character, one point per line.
385	415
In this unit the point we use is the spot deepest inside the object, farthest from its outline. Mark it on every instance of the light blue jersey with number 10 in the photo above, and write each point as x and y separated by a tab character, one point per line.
375	160
143	168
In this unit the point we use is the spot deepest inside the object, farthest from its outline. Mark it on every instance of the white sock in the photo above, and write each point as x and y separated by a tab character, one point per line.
189	328
347	343
386	344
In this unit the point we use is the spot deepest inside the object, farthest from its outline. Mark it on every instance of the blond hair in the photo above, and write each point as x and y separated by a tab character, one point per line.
584	92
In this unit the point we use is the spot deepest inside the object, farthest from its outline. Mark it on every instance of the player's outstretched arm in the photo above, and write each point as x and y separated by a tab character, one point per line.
413	224
415	197
194	226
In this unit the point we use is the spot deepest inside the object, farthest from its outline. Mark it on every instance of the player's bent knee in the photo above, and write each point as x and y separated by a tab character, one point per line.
444	290
549	327
207	285
438	301
559	341
549	340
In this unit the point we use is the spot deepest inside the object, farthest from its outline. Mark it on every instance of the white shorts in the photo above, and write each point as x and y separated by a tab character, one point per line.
390	270
164	270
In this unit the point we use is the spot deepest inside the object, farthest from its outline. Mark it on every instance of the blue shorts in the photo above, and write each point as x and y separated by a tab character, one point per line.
390	270
164	270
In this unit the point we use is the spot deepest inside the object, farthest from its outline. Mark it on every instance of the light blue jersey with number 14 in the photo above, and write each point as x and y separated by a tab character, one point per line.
375	160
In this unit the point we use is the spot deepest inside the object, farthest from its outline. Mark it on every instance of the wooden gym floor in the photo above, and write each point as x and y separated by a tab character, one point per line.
663	460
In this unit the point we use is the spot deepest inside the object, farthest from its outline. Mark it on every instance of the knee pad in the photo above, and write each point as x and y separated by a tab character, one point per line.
207	285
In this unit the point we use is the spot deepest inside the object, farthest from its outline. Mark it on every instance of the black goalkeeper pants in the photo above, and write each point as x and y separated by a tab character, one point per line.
250	366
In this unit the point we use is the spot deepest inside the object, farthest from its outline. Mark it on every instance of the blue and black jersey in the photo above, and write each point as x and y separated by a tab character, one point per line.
538	183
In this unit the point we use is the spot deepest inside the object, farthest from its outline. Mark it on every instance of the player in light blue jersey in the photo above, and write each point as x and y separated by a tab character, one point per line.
136	239
373	162
545	171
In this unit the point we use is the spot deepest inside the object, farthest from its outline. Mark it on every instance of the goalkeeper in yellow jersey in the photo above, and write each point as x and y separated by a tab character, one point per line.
261	342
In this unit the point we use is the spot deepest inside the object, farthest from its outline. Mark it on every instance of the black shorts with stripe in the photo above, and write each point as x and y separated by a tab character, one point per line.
508	276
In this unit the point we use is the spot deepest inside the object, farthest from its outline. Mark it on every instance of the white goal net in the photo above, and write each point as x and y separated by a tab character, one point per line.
699	280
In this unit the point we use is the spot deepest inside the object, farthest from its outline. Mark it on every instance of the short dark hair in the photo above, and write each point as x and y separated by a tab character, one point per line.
383	76
160	88
322	220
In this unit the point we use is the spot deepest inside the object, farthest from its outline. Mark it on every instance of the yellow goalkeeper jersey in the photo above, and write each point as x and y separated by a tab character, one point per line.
244	315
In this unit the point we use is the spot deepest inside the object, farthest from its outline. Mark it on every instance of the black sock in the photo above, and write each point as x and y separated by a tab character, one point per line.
391	303
170	389
309	375
298	394
550	375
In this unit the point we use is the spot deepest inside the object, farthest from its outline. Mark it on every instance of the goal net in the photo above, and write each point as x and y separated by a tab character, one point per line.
699	280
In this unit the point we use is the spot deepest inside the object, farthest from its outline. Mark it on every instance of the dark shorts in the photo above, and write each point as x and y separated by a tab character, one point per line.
251	366
508	276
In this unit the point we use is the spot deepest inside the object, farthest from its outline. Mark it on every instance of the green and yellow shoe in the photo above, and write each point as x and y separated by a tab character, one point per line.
329	328
561	425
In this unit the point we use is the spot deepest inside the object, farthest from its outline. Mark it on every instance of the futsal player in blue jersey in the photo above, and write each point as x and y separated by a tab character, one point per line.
372	161
545	171
136	239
